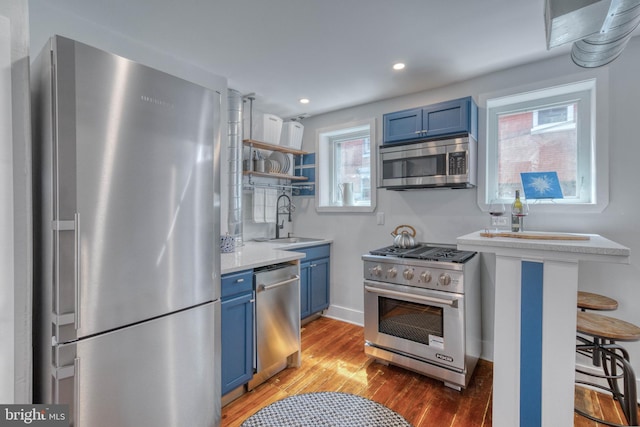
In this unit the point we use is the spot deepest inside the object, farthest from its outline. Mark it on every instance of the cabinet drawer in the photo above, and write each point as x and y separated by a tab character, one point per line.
314	252
235	283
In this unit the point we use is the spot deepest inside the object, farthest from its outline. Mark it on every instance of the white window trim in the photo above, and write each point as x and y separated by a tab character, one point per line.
600	153
324	163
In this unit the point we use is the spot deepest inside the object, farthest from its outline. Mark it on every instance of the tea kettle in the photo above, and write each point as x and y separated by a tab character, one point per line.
404	239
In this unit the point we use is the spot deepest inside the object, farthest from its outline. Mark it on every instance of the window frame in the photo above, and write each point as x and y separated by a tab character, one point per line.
594	80
326	138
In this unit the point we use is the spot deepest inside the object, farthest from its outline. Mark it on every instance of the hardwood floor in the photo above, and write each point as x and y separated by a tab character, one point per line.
333	360
600	405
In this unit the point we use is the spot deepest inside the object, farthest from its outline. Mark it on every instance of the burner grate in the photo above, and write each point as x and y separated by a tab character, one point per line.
426	252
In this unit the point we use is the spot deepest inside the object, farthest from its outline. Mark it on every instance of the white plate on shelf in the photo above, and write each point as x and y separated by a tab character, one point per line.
275	166
281	160
287	164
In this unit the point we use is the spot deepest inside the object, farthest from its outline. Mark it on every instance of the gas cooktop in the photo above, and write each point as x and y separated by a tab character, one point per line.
426	252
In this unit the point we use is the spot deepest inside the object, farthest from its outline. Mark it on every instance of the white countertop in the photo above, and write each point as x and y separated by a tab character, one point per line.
597	247
257	254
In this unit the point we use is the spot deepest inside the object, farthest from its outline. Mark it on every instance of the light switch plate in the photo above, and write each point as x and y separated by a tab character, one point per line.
380	218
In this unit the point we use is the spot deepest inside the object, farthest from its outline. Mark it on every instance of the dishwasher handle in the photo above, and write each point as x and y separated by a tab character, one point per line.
262	287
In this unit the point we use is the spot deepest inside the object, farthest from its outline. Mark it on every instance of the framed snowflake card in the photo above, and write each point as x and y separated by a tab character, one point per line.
541	185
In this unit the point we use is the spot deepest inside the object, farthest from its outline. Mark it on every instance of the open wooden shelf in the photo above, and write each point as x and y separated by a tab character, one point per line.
272	147
276	175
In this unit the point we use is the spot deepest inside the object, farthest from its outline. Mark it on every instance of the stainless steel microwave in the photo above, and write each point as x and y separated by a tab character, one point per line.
447	163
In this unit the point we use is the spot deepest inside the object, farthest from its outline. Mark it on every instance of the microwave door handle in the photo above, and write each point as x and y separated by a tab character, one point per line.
450	303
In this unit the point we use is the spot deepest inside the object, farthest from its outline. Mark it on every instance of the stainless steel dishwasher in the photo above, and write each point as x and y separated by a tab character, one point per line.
277	331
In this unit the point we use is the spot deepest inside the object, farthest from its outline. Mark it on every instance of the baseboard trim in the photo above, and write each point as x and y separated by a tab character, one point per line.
345	314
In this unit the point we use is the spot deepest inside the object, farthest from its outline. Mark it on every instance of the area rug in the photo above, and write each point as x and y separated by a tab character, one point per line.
326	409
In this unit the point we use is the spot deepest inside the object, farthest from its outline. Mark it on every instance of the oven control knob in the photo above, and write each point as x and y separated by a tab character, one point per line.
425	276
444	279
377	270
408	273
392	272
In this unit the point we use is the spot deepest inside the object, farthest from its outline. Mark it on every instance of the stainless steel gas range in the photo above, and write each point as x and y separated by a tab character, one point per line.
422	310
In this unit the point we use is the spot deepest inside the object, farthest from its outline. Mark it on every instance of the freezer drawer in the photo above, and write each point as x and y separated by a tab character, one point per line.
164	372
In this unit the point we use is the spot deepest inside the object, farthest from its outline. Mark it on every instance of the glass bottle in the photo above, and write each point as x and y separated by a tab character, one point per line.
517	216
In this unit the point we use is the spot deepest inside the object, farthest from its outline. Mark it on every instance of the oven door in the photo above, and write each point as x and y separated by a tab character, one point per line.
419	323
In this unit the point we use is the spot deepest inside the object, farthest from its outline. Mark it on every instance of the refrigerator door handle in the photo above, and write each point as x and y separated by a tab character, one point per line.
76	392
77	272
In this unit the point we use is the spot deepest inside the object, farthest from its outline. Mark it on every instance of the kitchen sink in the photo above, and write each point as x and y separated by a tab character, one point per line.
295	240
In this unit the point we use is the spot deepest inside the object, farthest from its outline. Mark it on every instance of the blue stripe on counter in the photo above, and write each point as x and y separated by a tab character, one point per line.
531	344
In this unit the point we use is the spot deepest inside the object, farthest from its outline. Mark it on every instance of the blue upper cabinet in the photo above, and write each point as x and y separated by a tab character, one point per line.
402	125
451	117
445	118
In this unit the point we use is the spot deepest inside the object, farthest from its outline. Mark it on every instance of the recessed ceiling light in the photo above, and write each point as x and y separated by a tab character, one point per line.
398	66
304	100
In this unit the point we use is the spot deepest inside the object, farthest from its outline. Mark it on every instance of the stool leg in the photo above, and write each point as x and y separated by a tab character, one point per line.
631	397
610	368
628	401
596	351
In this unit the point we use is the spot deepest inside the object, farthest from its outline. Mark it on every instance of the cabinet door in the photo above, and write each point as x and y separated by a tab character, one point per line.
237	341
402	125
319	284
305	308
447	118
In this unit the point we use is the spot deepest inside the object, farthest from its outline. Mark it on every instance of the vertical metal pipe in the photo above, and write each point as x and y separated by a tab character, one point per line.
235	165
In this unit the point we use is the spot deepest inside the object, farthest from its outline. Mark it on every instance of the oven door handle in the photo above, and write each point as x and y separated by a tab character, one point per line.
450	303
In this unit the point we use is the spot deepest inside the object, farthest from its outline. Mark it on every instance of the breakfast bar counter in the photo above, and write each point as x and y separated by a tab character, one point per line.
536	285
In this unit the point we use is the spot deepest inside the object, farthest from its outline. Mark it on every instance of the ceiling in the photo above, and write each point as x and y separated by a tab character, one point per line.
337	53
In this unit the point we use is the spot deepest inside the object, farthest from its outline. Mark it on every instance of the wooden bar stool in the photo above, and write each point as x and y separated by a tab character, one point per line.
591	301
606	331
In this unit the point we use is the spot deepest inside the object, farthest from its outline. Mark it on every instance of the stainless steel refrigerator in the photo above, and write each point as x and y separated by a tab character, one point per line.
126	229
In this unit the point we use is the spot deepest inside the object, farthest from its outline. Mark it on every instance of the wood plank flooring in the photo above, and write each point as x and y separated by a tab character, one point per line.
333	359
600	405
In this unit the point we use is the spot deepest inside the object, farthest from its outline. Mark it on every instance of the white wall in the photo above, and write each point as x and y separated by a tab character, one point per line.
15	205
6	215
442	215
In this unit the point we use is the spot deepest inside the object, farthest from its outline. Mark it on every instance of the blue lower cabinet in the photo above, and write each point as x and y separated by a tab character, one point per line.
314	280
305	308
319	285
237	329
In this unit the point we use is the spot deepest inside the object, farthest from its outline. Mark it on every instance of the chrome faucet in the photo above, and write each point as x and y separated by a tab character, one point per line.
287	210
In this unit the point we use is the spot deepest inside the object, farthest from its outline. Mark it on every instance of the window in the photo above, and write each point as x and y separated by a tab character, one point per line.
543	131
345	166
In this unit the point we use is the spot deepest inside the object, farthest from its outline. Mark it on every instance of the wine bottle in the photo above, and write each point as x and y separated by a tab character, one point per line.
516	214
